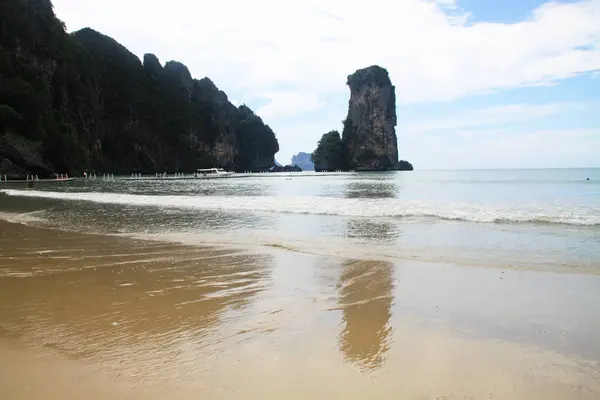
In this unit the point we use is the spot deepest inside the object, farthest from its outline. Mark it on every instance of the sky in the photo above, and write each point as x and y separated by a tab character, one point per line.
479	83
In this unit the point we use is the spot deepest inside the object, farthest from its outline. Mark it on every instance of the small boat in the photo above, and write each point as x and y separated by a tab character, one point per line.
212	173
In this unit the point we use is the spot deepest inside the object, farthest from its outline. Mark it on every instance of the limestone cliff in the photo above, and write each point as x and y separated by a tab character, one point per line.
71	102
369	134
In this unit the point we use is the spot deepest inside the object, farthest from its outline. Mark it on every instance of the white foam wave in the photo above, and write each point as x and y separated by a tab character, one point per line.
21	218
348	207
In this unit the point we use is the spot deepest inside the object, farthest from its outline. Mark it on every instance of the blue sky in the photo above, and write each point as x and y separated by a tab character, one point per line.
479	83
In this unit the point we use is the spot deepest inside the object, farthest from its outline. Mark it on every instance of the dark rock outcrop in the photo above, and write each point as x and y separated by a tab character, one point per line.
88	103
286	168
303	160
369	134
402	166
180	74
20	157
152	65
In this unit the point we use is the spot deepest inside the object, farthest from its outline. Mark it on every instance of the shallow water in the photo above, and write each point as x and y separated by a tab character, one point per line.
529	219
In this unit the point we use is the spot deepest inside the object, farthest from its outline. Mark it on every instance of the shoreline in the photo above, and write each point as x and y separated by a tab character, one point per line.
334	247
183	177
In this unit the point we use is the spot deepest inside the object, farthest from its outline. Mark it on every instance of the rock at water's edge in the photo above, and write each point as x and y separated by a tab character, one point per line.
402	166
369	130
287	168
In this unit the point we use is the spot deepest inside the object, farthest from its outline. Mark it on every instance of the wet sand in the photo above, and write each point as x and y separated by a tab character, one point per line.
90	316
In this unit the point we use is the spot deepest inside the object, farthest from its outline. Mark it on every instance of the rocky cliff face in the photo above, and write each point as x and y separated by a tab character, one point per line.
369	134
71	102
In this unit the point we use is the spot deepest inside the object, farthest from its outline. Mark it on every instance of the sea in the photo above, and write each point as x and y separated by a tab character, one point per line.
541	219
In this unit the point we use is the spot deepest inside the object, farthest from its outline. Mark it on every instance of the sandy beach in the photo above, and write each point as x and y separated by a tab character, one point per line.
92	316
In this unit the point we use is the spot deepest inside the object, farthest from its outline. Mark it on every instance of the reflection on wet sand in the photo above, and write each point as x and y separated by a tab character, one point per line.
365	297
365	291
130	305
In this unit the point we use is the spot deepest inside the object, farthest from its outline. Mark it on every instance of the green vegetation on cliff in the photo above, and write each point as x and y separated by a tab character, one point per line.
373	75
330	153
70	102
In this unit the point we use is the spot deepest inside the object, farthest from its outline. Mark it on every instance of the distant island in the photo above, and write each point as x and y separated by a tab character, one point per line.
368	141
300	162
303	160
81	101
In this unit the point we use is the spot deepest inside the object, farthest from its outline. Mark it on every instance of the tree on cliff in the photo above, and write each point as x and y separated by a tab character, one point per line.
329	155
83	100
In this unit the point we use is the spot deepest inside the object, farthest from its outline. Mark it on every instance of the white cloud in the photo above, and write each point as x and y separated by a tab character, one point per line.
447	4
476	138
492	116
257	45
308	48
502	148
287	103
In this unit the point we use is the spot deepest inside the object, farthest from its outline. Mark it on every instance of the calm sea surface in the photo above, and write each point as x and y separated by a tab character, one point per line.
540	219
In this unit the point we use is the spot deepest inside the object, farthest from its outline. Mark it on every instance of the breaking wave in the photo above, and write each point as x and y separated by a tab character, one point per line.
345	207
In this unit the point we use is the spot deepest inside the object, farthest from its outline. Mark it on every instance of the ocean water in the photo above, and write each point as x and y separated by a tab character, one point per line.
526	219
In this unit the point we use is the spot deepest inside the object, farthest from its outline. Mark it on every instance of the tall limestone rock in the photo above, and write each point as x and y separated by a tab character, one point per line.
369	132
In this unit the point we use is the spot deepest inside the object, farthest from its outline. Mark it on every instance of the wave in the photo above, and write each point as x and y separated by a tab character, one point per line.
345	207
22	218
